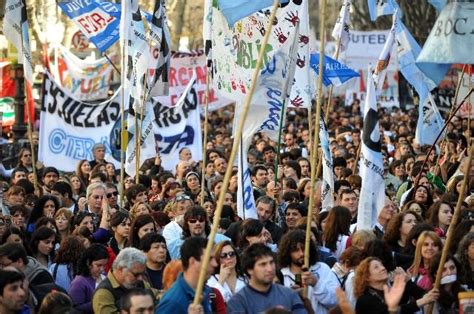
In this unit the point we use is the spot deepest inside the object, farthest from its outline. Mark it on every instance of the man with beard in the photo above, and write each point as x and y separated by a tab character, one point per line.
128	271
50	177
320	280
259	180
154	246
265	212
261	294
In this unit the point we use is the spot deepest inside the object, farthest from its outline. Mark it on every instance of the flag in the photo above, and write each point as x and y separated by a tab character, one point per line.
341	28
335	73
159	66
137	52
267	113
327	186
430	121
15	29
381	7
235	10
380	70
372	193
438	4
207	31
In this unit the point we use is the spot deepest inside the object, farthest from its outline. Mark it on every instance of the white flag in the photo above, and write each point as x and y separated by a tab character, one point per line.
137	52
372	193
15	29
341	28
430	122
380	70
327	187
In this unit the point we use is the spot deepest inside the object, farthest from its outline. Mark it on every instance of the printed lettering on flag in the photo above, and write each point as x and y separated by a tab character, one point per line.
380	70
98	20
235	51
341	28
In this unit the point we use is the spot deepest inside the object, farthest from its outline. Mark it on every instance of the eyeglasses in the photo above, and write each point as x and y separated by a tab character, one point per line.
109	195
227	255
194	220
182	197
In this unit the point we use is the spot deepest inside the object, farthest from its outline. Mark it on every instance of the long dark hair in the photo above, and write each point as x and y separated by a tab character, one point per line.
42	233
69	253
289	243
37	211
217	253
338	223
447	299
195	212
94	253
140	221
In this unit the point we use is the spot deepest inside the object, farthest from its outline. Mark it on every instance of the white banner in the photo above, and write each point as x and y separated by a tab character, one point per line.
235	51
183	65
69	128
86	80
327	186
179	127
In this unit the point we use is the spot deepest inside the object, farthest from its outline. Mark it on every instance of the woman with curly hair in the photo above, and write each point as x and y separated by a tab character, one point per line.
228	277
414	206
140	226
427	246
398	229
139	208
422	195
465	256
65	263
336	231
370	288
440	215
46	206
90	270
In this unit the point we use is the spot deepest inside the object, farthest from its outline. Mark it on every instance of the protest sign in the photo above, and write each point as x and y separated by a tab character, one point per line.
235	50
183	65
69	127
86	80
7	108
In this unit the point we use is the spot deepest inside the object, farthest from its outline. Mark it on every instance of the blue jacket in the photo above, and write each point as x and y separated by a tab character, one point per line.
180	296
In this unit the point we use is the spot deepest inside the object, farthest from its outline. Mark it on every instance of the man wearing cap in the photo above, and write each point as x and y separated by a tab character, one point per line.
98	150
50	177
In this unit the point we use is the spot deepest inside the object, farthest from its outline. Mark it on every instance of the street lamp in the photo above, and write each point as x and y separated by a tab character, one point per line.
17	74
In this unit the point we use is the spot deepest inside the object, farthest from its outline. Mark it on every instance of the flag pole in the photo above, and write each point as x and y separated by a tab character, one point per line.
440	133
123	131
204	149
137	148
314	153
450	232
106	56
228	173
280	129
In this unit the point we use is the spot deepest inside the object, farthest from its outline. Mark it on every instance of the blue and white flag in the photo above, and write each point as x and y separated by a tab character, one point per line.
341	28
98	20
381	66
372	192
327	186
381	7
430	122
234	10
335	73
438	4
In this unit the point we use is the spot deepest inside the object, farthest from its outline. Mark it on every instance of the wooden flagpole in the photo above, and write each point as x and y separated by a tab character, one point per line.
228	173
452	225
204	142
123	131
314	152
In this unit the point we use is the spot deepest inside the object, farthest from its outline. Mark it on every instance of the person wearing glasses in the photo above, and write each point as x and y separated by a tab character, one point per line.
112	196
228	277
127	273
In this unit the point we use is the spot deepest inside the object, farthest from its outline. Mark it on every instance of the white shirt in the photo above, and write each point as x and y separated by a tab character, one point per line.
213	282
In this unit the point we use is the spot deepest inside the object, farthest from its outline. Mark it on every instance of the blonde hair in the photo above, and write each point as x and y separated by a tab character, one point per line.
361	237
415	267
134	209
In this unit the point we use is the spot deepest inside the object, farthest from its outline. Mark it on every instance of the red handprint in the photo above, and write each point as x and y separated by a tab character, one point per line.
234	85
304	39
281	38
242	87
300	62
297	101
292	18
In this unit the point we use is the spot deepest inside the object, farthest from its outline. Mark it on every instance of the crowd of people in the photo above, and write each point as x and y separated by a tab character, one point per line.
72	245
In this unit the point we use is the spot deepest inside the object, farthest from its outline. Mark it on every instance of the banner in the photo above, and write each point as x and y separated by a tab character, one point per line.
178	127
372	192
235	51
451	39
341	28
467	83
7	108
384	7
183	65
334	72
383	60
69	128
430	122
98	20
327	186
85	80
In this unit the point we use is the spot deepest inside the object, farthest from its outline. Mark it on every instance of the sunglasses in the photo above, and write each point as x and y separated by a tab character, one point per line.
194	220
109	195
184	197
227	255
